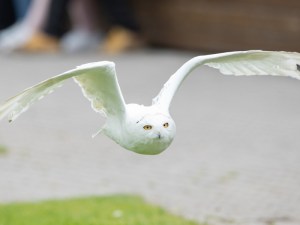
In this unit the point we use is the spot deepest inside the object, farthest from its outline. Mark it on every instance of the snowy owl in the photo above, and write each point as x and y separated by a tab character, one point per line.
148	129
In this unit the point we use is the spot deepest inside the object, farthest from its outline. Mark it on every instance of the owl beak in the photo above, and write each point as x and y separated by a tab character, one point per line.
159	136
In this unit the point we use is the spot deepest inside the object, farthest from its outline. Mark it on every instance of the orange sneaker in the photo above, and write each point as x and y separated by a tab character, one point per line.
41	42
120	39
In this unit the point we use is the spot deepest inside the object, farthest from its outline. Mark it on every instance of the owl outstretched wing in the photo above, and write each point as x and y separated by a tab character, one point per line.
254	62
97	80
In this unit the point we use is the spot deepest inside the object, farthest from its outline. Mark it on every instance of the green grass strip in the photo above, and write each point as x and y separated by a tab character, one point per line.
108	210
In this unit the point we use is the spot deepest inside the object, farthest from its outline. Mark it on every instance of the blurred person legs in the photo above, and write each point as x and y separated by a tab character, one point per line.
124	32
8	19
56	23
16	36
21	7
84	34
12	11
7	14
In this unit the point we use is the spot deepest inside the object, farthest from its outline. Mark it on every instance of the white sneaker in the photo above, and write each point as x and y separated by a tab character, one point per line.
14	37
80	40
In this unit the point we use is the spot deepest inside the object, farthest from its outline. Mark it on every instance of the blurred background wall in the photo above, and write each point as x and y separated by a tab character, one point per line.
221	25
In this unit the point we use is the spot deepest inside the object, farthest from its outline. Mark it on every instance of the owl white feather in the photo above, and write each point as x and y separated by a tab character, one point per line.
149	129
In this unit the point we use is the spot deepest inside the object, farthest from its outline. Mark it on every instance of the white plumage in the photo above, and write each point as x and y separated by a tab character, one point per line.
149	129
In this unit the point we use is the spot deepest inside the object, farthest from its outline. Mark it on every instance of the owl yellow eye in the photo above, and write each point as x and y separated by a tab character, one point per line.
166	125
147	127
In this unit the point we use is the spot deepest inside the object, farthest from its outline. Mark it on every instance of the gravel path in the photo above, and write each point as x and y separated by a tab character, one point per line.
235	160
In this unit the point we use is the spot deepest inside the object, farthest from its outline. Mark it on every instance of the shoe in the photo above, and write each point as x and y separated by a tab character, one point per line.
120	39
40	42
80	40
14	37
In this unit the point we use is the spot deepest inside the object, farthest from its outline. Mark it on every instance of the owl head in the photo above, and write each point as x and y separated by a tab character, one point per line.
149	131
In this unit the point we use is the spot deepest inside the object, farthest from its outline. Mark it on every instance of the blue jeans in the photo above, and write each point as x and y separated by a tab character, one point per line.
21	8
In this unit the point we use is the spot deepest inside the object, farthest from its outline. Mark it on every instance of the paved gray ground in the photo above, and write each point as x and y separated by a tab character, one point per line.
235	158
